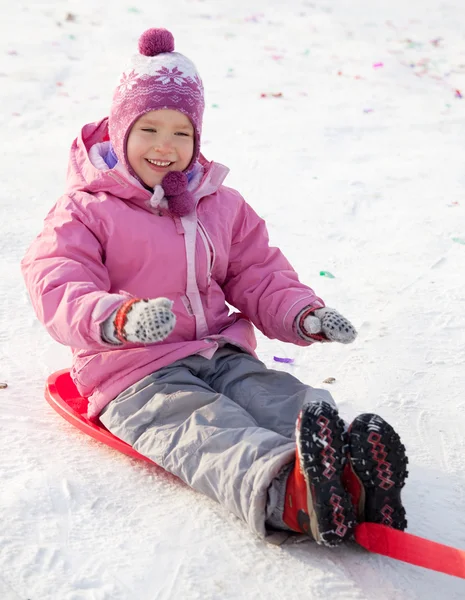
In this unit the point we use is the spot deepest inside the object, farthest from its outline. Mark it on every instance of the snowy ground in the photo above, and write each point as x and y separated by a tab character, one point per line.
358	168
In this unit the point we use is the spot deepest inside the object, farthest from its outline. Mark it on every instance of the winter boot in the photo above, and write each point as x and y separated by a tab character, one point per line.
316	502
375	472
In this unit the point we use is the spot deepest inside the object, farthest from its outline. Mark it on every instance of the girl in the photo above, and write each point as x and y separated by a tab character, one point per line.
133	270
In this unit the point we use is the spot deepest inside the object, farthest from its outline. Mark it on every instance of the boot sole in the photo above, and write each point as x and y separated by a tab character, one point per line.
379	462
321	450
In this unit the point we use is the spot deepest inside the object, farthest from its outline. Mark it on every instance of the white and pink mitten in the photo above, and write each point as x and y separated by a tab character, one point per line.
325	325
140	321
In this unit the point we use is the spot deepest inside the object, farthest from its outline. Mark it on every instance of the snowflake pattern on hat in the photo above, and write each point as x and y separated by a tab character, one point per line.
127	81
150	66
167	76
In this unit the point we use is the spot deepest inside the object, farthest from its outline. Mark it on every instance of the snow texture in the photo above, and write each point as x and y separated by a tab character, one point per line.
343	125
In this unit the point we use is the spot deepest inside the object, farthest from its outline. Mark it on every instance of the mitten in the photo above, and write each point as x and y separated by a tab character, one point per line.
325	325
140	321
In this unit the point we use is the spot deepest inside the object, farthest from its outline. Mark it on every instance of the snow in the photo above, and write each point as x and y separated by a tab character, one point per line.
358	169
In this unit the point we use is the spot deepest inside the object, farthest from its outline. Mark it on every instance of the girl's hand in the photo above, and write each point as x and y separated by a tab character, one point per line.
140	321
326	324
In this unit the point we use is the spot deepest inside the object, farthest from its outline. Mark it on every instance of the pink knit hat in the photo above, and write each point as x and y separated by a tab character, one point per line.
157	78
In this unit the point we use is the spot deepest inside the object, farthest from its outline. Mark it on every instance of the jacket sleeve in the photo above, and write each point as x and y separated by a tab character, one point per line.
67	280
261	283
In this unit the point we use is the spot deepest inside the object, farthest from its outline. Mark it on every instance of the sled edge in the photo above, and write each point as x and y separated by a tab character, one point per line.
53	386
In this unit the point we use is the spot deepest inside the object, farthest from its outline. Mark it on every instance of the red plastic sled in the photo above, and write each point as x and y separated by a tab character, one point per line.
62	395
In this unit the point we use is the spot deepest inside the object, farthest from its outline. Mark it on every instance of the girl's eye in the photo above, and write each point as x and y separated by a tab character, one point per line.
150	130
182	133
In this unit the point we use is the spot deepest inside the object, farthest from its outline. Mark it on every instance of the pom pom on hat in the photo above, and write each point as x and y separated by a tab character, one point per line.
156	41
180	201
174	183
181	205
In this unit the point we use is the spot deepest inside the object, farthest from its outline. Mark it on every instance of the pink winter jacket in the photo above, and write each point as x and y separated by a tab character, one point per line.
103	242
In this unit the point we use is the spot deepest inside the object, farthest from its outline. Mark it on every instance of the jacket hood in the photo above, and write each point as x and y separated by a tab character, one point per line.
84	176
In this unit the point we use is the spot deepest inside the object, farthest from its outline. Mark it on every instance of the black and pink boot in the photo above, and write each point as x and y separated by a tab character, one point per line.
316	502
376	471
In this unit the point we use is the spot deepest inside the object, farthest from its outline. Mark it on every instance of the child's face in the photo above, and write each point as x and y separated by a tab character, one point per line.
165	136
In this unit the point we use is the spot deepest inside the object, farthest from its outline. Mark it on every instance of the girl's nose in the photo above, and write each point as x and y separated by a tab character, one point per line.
163	144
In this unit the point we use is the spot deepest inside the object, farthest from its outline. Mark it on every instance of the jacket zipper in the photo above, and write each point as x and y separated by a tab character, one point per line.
210	253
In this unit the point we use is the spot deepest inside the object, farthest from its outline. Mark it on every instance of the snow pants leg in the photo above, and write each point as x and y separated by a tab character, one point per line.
224	425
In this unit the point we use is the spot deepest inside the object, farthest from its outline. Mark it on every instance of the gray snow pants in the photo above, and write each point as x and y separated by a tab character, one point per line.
224	425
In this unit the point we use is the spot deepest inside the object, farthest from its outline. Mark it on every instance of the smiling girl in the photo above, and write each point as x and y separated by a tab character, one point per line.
135	270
